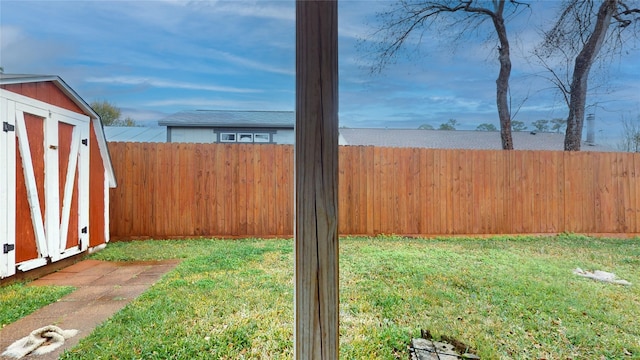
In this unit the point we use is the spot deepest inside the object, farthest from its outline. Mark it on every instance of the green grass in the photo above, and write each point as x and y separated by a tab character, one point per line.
18	300
508	298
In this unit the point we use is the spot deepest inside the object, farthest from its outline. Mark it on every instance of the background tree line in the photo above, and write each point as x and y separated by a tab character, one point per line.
630	134
110	114
554	125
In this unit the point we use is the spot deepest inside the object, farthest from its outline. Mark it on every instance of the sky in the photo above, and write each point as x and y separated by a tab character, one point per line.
152	58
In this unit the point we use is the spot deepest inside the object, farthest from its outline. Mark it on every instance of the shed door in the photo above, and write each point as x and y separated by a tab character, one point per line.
7	185
48	184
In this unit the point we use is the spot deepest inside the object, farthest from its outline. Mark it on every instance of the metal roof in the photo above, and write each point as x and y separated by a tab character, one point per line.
225	118
457	139
135	133
434	139
24	78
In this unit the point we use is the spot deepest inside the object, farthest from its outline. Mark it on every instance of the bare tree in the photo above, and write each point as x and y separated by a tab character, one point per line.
466	16
578	36
630	135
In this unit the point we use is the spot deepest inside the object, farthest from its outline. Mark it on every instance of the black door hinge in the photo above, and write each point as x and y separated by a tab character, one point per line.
8	247
6	127
84	230
85	142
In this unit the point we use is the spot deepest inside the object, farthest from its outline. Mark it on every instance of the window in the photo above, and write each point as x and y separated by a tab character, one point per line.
261	138
227	137
244	137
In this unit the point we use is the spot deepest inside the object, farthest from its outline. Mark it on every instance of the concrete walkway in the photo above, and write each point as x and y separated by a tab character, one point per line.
103	288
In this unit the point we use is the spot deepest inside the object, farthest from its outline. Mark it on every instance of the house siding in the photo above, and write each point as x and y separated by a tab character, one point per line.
287	137
209	135
191	135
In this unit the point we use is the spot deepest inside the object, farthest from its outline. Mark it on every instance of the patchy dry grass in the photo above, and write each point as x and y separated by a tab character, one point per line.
504	297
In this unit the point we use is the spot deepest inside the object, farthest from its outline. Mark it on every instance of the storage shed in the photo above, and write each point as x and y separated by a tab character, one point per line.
56	174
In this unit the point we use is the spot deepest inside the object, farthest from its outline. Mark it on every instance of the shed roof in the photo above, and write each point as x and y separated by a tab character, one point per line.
226	118
7	79
457	139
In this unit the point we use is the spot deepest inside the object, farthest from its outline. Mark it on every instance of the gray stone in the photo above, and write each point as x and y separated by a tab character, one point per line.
423	349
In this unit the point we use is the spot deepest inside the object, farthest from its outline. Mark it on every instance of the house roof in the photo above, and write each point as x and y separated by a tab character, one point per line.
7	79
457	139
135	133
235	119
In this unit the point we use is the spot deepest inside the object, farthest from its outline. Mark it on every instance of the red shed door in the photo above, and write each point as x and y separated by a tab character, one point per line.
47	184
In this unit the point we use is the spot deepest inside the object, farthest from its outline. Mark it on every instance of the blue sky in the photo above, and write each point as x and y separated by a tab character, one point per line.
154	58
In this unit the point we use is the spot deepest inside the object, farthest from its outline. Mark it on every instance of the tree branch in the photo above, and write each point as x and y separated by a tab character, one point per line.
623	23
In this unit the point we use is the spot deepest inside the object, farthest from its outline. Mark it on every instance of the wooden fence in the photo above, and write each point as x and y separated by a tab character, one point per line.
236	190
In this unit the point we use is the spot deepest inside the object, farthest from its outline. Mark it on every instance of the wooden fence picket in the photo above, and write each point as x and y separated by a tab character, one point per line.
170	190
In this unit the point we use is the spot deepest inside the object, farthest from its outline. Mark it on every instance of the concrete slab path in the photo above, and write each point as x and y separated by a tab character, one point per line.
103	288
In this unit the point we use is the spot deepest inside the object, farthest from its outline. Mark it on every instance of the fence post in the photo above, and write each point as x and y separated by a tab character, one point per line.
316	181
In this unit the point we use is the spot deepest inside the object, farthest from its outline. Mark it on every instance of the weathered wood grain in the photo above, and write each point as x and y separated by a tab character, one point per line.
316	181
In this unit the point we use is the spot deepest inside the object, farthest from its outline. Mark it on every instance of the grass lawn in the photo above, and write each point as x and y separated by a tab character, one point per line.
18	300
506	298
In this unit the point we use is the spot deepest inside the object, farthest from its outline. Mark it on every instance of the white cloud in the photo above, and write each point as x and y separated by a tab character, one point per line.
229	104
278	10
263	66
134	80
21	52
142	117
9	35
260	9
453	102
236	54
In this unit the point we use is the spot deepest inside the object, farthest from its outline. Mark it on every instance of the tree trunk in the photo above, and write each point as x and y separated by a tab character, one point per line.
502	83
582	66
316	181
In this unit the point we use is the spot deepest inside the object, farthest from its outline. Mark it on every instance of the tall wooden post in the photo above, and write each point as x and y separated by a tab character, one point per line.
316	178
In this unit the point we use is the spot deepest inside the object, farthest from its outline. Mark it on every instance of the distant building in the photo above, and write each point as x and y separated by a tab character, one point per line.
458	139
277	127
221	126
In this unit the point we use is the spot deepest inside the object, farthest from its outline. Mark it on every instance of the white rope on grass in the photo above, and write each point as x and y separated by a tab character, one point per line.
601	276
39	342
